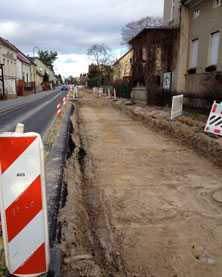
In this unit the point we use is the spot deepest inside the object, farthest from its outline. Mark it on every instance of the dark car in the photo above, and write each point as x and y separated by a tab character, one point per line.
64	87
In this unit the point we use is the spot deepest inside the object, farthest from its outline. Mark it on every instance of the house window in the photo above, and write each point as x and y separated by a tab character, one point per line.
172	9
215	38
196	13
216	3
195	44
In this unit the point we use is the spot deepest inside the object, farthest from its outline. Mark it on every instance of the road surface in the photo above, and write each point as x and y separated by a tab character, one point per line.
37	116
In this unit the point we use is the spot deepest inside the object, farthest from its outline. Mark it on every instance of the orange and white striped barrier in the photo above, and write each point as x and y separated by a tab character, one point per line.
23	203
64	101
214	122
59	109
68	95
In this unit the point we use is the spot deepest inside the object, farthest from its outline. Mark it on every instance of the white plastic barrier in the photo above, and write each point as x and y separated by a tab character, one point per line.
114	93
214	122
109	94
76	91
177	106
23	203
100	91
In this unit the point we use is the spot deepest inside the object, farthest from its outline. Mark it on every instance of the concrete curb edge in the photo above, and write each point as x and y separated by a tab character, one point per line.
54	172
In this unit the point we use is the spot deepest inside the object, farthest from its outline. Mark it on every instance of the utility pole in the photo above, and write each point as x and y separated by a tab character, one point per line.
2	79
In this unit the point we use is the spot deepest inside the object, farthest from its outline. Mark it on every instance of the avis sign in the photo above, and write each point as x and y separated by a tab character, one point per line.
23	204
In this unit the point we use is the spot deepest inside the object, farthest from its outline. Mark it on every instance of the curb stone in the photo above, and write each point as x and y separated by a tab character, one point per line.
54	172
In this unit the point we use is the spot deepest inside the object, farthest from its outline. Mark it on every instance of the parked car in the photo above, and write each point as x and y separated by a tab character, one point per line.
64	87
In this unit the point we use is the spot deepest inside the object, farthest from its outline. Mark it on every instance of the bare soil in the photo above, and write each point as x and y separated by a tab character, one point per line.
143	198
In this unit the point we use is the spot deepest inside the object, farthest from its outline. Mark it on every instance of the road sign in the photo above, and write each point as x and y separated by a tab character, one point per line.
214	122
23	204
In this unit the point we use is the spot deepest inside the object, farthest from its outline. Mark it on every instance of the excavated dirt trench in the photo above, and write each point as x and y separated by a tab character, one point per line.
138	204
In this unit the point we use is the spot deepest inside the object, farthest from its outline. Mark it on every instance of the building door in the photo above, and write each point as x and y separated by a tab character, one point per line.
126	90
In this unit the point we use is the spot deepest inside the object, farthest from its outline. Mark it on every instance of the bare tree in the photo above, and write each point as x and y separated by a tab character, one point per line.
134	27
100	54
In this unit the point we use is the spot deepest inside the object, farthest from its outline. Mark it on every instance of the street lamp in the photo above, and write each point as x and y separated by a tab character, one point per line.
34	50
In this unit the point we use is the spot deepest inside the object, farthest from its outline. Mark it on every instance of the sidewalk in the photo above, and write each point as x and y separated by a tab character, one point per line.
11	104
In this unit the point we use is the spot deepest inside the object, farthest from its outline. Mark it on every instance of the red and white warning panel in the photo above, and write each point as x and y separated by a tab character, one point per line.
23	204
214	122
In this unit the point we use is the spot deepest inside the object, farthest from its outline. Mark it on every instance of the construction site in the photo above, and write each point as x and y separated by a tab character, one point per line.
143	194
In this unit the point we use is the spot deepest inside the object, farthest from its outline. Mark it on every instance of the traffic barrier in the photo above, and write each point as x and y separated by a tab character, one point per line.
177	106
214	122
59	109
100	91
68	97
114	92
23	203
64	101
76	91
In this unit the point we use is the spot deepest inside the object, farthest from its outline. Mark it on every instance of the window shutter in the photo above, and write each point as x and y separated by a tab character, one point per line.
214	47
195	52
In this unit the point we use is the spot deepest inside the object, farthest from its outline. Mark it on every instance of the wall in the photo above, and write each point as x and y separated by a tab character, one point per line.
9	59
39	80
10	87
26	72
167	21
122	68
178	81
139	95
209	21
19	70
33	73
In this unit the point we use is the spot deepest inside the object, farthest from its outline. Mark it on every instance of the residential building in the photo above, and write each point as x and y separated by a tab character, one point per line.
199	61
8	57
122	67
42	68
25	79
154	52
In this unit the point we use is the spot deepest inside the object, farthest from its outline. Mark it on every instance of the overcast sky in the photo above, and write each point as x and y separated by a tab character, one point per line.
70	27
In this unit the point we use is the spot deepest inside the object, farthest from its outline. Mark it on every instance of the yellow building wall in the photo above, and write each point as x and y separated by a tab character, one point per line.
122	68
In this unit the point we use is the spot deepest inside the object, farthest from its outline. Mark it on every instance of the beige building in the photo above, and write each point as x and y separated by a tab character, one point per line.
122	67
8	57
199	61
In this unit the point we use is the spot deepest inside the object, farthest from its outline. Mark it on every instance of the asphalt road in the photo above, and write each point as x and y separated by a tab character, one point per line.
37	116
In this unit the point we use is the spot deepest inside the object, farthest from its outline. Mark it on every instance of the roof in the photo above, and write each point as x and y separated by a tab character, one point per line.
22	59
150	29
123	56
31	60
7	44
